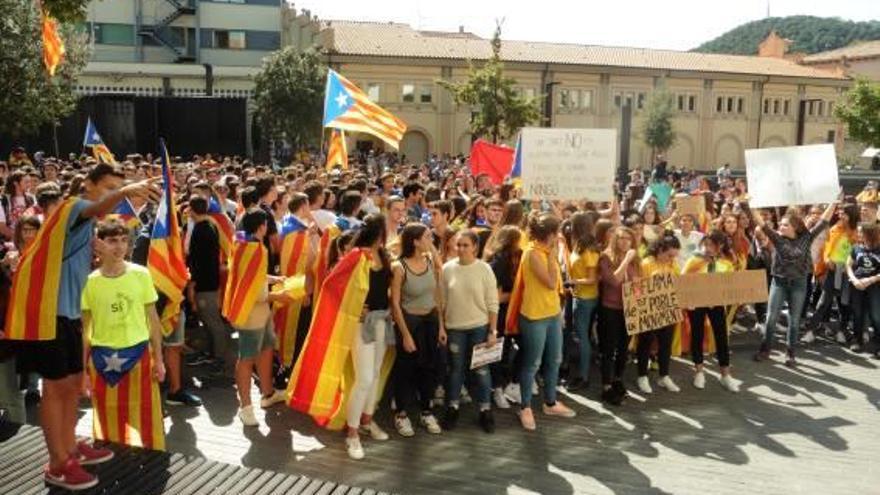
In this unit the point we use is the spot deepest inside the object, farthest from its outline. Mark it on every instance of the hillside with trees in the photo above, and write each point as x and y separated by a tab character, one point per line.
809	34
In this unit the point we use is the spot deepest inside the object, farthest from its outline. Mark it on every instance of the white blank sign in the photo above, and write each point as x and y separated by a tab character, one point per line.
568	164
795	175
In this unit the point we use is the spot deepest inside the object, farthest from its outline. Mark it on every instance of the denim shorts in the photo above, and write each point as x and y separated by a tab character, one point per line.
253	341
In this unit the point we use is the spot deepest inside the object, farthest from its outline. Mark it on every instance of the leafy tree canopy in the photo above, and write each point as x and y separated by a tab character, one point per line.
860	111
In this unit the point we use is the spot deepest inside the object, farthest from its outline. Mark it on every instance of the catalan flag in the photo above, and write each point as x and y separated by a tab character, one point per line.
514	305
53	46
33	301
126	213
247	277
125	398
294	262
166	261
337	154
225	228
93	140
323	372
323	255
347	107
516	170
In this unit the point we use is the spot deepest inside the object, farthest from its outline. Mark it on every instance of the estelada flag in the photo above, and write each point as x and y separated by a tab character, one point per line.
294	261
225	228
53	46
494	160
247	277
125	398
126	214
33	300
323	255
323	374
337	154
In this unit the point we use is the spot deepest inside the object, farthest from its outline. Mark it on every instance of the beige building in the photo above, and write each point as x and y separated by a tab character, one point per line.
858	60
725	104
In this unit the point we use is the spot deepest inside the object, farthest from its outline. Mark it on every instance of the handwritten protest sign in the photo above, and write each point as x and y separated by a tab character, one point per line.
796	175
690	205
568	164
484	354
699	290
651	303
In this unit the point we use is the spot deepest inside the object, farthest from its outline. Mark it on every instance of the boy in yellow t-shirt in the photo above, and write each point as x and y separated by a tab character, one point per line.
122	345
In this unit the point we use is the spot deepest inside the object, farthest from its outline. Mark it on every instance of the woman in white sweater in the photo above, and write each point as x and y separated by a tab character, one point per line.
471	314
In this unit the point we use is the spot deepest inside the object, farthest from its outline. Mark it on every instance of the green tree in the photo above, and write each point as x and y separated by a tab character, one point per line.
860	111
289	95
30	98
657	129
500	111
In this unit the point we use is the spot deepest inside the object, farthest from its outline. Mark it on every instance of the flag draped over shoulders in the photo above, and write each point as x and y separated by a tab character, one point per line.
247	277
323	255
33	300
225	228
324	373
294	262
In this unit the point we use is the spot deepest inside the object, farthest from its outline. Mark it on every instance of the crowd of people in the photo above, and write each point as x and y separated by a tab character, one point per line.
455	263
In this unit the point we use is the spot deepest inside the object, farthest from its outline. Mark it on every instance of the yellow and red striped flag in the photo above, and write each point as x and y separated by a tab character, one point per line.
323	255
33	300
53	46
347	107
317	385
247	277
126	403
294	262
225	228
166	261
337	154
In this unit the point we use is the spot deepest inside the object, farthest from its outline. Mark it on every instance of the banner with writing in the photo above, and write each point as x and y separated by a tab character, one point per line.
690	205
568	164
651	303
700	290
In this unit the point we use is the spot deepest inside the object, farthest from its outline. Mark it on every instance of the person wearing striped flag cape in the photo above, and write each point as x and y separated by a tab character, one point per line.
123	345
246	304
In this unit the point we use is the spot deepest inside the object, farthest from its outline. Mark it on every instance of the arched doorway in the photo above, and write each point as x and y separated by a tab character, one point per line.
415	146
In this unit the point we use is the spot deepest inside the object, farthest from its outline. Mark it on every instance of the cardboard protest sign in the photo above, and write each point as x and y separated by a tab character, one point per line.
568	164
690	205
699	290
796	175
651	303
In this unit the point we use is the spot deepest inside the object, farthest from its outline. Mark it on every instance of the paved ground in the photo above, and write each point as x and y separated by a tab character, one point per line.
815	429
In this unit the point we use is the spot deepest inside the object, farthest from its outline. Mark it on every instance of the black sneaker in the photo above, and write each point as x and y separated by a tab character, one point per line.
450	419
183	398
790	361
577	383
611	397
618	388
487	421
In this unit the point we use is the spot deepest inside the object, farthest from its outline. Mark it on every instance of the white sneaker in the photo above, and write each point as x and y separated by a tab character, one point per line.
354	448
374	431
512	393
535	387
728	382
430	423
668	384
699	380
465	397
403	426
809	337
275	398
644	385
439	395
247	416
840	337
500	400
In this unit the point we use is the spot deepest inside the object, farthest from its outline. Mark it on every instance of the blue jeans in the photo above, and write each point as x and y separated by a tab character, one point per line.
541	339
793	291
461	348
584	313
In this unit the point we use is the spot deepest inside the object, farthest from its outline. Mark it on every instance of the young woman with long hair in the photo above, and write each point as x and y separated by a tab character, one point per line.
504	263
619	263
584	281
714	258
863	270
416	302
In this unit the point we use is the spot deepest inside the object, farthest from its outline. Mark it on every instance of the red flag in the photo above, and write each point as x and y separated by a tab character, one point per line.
492	159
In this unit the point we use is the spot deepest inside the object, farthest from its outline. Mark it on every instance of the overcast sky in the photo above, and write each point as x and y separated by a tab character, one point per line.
674	24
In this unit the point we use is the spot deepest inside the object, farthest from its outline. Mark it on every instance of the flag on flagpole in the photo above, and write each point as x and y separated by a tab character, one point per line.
294	262
165	261
225	228
53	46
347	107
93	140
126	213
337	154
33	300
247	277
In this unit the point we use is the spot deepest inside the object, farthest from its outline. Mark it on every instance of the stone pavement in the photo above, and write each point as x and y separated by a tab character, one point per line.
814	429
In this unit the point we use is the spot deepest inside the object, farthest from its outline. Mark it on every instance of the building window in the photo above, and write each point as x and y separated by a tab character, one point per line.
692	103
425	95
564	98
234	40
114	34
775	107
785	107
810	108
640	100
820	110
681	103
719	104
587	99
408	93
617	100
373	91
766	106
831	109
575	101
729	104
740	105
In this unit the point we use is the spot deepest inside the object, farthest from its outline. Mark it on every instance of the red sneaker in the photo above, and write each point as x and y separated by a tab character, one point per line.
70	476
88	455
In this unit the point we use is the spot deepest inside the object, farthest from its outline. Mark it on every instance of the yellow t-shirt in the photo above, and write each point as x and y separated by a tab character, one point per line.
538	302
583	266
118	306
651	267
